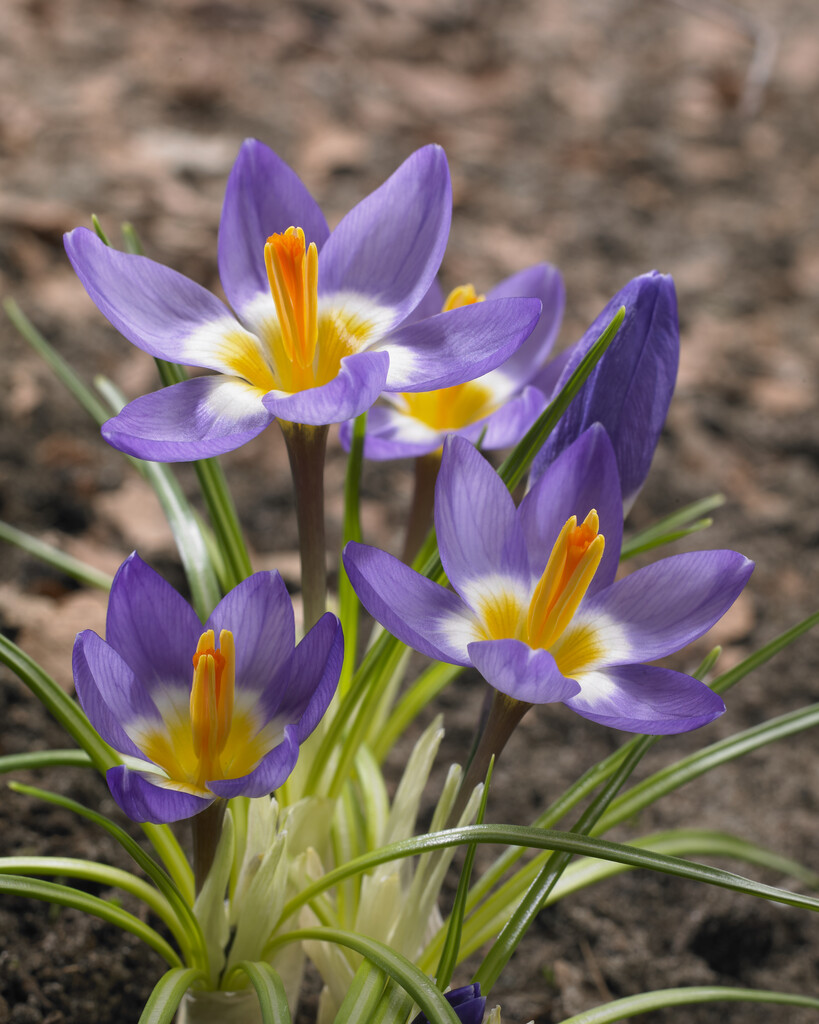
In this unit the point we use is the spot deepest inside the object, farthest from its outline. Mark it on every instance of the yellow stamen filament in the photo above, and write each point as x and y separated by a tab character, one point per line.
292	270
211	703
569	571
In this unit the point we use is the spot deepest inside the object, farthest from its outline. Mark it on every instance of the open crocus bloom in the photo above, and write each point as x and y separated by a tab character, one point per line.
315	337
500	406
202	713
536	609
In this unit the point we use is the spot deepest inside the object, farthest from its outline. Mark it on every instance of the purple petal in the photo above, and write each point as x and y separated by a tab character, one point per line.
431	304
197	419
507	425
314	671
145	800
661	608
526	673
391	434
582	478
151	626
259	613
467	1002
476	520
543	282
263	197
419	612
458	345
646	699
273	769
390	245
630	388
159	310
104	686
358	383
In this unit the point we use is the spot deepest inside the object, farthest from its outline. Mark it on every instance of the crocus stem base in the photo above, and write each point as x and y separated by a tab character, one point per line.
423	496
306	446
504	715
207	828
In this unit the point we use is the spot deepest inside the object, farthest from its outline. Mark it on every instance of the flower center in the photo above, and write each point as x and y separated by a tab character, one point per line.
292	270
457	406
568	574
211	703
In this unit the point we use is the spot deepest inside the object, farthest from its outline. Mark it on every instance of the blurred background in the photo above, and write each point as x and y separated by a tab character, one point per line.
605	137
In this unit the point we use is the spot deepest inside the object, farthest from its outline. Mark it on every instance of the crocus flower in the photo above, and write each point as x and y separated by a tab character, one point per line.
201	713
498	407
315	337
467	1002
630	389
535	606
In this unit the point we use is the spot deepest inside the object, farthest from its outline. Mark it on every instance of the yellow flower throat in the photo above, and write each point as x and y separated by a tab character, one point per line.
572	564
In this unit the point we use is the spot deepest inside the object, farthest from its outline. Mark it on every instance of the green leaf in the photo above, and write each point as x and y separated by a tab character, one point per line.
168	993
753	661
65	896
649	790
67	712
524	915
182	519
362	996
548	839
102	874
269	989
686	520
59	560
492	914
518	462
398	967
45	759
349	605
452	942
65	373
166	885
423	690
619	1009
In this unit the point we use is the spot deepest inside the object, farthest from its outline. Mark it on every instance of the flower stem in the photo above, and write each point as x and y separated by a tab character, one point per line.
423	497
206	828
504	715
306	446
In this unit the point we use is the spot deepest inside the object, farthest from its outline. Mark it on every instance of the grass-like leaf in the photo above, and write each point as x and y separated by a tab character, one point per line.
57	559
398	967
168	993
631	1006
180	900
269	990
65	896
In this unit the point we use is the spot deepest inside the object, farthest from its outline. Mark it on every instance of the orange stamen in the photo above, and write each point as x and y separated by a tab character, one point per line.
292	270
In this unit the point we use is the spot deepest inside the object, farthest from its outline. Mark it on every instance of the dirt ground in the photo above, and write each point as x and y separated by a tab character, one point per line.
605	137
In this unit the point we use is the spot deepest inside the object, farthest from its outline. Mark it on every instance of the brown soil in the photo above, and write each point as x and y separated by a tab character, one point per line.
606	138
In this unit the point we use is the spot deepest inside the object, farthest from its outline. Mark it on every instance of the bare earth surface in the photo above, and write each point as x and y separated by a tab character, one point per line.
607	138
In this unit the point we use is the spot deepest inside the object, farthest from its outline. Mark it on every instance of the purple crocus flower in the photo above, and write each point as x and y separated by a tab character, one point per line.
467	1002
315	337
498	407
535	606
630	389
202	713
